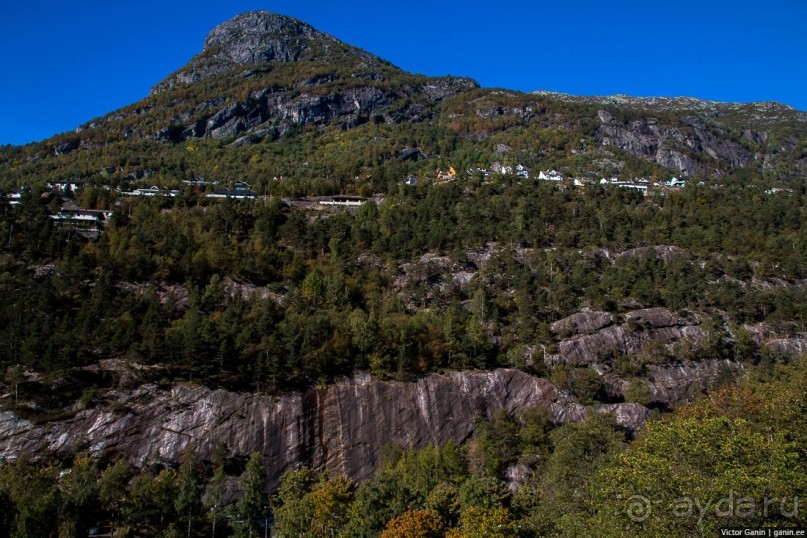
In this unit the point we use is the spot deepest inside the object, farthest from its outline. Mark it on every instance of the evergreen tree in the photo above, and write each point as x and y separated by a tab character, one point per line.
252	510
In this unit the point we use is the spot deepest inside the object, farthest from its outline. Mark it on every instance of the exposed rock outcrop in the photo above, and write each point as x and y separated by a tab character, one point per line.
340	428
589	339
67	147
253	44
260	37
672	146
676	382
273	111
698	141
787	346
582	323
683	382
664	253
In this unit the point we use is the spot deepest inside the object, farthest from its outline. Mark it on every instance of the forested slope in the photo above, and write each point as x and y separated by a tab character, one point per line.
450	266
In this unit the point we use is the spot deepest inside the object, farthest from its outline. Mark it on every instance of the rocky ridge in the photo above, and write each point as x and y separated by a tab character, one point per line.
590	337
271	112
676	103
698	140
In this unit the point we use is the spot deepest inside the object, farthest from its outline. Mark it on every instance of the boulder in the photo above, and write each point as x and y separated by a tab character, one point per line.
582	323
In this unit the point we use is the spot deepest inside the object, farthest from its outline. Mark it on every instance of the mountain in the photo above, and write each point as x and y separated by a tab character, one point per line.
261	76
264	74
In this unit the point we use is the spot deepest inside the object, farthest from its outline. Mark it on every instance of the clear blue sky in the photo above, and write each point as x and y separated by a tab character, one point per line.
64	63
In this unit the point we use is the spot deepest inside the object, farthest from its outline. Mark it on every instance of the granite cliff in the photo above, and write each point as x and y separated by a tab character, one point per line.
340	428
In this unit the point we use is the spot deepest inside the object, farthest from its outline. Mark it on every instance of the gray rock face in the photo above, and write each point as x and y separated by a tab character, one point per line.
653	317
256	38
675	382
272	111
259	37
682	382
589	339
582	323
442	88
67	147
664	253
590	348
340	428
659	143
787	346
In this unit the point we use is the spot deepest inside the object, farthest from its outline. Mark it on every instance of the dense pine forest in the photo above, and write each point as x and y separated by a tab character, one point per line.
255	295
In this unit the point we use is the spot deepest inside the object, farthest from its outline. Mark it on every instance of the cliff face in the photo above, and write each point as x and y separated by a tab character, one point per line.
340	428
676	147
272	111
695	136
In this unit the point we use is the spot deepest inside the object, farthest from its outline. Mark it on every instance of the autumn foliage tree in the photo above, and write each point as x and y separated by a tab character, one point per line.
415	524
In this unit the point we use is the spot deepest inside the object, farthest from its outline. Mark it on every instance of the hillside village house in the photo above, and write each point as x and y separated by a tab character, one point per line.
483	171
522	171
85	222
66	186
497	167
241	191
442	174
552	175
151	191
14	196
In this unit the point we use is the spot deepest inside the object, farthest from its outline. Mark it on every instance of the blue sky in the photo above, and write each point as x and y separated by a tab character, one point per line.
64	63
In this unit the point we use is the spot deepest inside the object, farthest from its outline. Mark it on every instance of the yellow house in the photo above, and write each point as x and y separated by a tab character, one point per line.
442	174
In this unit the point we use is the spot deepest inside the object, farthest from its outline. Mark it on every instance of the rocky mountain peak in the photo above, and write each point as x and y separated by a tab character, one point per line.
260	37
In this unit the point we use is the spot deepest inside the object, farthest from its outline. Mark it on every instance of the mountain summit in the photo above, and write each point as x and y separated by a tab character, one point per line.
260	37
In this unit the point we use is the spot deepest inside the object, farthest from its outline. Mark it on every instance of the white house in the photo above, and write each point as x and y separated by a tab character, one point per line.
197	182
14	196
552	175
635	186
522	171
